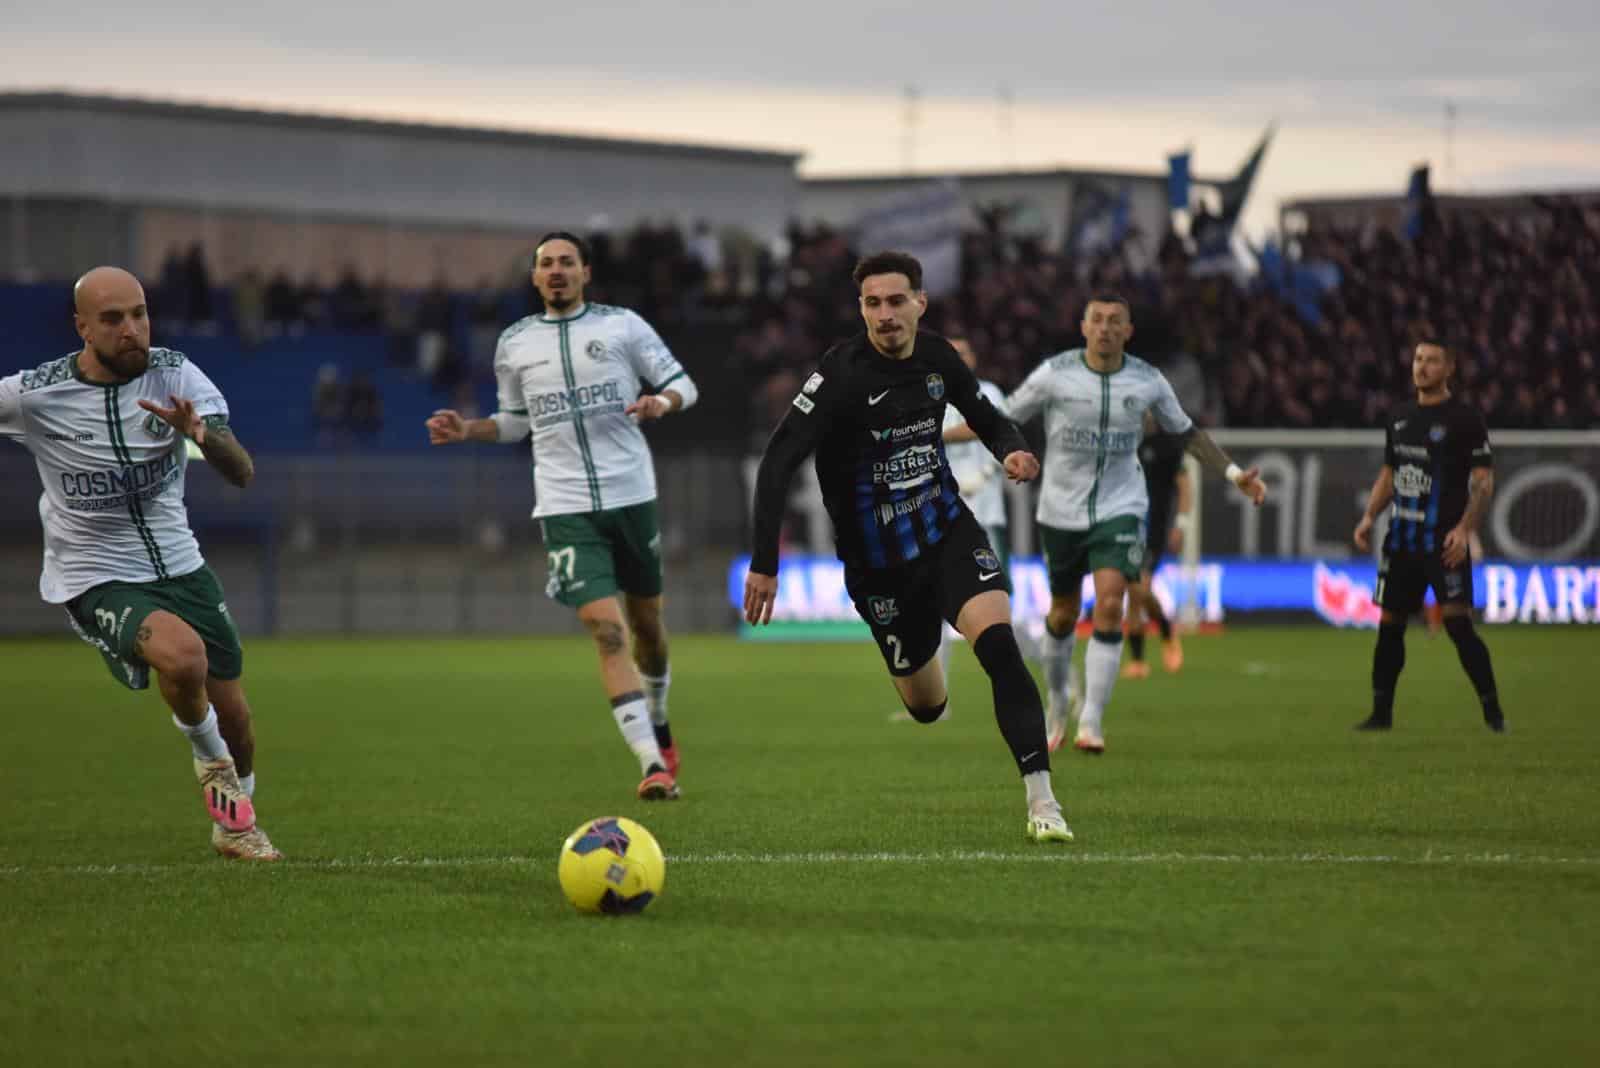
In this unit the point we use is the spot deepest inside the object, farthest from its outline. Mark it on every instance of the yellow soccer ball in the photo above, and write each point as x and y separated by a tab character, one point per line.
611	865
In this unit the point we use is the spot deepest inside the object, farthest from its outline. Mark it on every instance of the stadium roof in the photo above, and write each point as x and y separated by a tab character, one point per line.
1448	201
54	100
990	176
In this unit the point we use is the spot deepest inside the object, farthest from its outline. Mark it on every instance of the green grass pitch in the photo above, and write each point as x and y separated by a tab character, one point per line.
1252	882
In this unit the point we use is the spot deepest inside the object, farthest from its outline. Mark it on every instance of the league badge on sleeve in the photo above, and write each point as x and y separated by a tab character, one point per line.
813	383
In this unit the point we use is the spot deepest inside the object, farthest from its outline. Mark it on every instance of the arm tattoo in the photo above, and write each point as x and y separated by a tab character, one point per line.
1480	488
1209	453
223	452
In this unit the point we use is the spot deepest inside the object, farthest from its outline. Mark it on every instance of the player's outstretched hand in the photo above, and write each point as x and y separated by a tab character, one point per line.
179	417
1250	484
1457	547
446	427
1363	534
1022	466
648	407
760	591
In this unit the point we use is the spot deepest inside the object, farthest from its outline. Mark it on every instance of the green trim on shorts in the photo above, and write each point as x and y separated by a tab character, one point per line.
1115	544
594	555
108	617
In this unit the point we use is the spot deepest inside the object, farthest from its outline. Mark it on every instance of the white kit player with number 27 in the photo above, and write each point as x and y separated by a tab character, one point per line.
582	378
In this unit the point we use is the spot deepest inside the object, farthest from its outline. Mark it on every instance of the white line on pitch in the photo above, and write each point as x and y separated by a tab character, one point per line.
1052	856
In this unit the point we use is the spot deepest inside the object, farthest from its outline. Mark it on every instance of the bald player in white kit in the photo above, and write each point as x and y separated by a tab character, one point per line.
109	428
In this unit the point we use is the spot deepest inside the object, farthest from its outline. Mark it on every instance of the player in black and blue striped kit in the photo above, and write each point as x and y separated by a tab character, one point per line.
914	555
1438	471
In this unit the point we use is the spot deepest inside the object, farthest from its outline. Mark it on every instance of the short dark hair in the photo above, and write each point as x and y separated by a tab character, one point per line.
888	262
1109	298
564	235
1433	342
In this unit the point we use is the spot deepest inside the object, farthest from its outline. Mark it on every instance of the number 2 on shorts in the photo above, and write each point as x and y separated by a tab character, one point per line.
899	660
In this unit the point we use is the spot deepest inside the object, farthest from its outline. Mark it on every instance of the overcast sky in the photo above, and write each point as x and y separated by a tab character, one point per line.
1359	88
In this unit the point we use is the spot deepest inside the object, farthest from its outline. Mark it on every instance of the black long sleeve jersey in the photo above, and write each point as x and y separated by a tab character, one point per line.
875	426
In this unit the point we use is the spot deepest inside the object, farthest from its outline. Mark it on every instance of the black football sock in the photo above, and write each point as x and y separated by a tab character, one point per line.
931	714
1387	660
1475	659
663	735
1155	612
1017	708
1136	644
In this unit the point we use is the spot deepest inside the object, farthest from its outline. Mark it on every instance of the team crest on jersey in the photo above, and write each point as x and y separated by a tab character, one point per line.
936	386
986	559
596	349
1436	433
883	609
157	427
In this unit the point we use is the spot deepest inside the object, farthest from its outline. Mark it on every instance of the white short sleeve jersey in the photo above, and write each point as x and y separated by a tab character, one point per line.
970	461
574	378
1093	425
113	473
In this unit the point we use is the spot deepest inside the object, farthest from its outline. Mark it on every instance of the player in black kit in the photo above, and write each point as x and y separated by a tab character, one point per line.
1167	484
914	555
1437	470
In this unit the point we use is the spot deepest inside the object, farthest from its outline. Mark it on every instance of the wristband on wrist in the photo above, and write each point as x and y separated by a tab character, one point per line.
1232	473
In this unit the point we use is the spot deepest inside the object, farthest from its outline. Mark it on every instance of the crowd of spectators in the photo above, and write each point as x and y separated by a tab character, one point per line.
1517	296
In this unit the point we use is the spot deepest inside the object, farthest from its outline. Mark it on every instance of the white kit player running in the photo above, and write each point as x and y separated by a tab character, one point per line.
1092	501
583	377
118	552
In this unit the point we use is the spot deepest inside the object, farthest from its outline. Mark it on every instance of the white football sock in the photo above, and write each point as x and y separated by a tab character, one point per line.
1037	783
1056	654
633	720
1100	662
204	738
249	784
655	694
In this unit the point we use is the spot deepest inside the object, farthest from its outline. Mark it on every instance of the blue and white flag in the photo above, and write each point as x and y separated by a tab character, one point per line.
1178	181
1419	203
926	222
1099	217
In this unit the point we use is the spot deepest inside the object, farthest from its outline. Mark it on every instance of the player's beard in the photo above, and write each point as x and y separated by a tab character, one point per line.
128	363
894	344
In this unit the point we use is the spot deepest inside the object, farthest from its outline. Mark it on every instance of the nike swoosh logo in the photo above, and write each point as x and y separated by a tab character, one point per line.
879	397
1031	755
985	576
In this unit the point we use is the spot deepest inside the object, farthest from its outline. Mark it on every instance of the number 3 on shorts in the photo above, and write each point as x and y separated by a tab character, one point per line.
899	662
107	620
